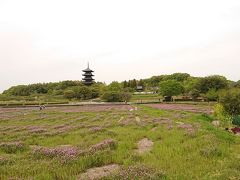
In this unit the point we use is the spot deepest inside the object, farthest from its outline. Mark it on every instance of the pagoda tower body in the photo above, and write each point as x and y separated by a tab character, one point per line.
88	76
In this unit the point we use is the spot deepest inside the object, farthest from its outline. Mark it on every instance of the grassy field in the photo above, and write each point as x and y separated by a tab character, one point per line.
64	143
145	98
31	100
59	99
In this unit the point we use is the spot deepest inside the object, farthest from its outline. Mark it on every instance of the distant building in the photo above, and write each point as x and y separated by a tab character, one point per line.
139	88
88	76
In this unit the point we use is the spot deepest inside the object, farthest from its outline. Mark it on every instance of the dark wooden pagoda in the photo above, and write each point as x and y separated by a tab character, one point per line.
88	76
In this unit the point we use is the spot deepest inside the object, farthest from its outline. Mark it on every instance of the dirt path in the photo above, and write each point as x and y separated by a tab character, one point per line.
183	107
83	108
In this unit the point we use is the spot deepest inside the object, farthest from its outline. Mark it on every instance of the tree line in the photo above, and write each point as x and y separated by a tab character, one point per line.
208	87
168	86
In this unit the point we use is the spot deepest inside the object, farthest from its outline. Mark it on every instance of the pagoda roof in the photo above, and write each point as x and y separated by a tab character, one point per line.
88	74
88	78
88	69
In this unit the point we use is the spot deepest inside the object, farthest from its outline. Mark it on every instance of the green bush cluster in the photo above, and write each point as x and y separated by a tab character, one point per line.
81	92
219	112
236	120
230	99
212	95
114	96
229	107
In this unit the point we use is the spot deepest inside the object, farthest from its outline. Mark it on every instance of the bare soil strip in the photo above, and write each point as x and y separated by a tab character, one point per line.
9	113
183	107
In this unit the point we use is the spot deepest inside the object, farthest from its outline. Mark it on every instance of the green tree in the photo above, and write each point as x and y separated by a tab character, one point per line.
155	80
171	88
212	82
190	85
115	86
67	84
133	83
179	77
82	92
125	84
98	88
194	93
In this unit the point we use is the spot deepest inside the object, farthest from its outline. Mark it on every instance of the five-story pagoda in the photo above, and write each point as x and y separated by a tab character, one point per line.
88	76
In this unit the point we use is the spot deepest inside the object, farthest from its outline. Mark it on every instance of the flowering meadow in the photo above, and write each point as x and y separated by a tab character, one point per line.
118	142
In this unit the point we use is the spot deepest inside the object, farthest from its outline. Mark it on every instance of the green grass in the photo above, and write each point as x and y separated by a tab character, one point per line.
209	153
145	98
34	99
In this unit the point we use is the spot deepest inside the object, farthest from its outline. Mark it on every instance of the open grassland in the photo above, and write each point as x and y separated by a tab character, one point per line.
115	142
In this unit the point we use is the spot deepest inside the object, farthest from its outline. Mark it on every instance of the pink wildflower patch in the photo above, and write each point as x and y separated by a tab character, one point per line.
60	151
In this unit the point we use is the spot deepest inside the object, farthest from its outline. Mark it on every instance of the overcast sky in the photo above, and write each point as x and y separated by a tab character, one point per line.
52	40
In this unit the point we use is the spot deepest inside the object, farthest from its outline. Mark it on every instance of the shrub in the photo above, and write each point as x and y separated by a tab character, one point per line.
230	100
126	96
219	112
212	95
236	120
111	96
69	94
